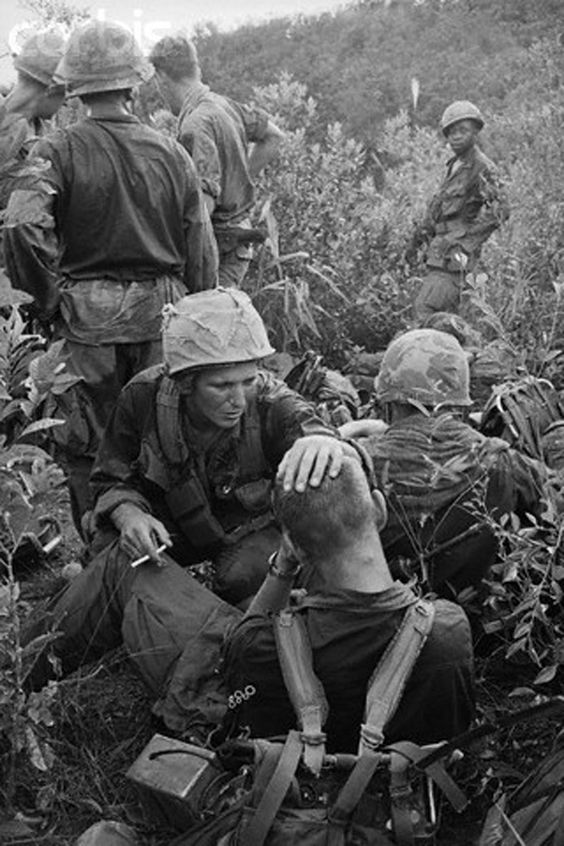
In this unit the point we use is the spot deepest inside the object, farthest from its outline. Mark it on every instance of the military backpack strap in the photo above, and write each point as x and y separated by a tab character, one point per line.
187	501
388	680
304	688
271	800
383	696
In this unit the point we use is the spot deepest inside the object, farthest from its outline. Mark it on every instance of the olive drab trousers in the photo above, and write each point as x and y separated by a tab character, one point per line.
86	406
172	627
440	291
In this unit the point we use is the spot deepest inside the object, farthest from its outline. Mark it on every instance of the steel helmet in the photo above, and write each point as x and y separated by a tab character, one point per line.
460	110
102	56
424	367
40	55
220	326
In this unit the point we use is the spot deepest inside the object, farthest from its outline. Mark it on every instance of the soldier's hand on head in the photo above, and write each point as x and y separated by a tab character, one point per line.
140	533
307	461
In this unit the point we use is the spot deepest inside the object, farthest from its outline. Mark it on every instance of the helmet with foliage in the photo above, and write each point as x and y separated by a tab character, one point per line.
102	56
40	55
214	327
424	367
460	110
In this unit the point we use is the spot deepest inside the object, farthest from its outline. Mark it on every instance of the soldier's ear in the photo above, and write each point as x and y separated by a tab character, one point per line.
379	501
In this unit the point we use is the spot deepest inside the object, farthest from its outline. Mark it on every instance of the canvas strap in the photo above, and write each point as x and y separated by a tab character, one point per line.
304	688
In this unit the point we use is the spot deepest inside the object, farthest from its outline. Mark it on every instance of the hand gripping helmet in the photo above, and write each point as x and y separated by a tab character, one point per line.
211	328
40	55
102	56
460	110
424	367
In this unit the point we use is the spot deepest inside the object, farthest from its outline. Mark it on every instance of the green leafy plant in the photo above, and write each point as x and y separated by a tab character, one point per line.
27	475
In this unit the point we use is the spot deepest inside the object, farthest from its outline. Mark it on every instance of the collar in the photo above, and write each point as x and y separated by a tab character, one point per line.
195	93
468	161
113	118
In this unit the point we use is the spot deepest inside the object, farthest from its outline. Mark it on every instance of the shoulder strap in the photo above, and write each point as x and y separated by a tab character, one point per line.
394	668
304	688
261	821
168	422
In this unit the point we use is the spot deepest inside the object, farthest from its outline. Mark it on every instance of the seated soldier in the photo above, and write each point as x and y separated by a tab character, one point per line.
183	475
445	482
352	610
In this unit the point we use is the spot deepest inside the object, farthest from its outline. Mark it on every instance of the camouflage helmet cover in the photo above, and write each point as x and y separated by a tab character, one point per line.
102	56
211	328
40	55
424	367
460	110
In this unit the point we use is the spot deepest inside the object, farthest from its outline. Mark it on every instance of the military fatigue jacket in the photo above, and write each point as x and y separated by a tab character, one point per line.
444	481
117	207
217	132
141	460
468	207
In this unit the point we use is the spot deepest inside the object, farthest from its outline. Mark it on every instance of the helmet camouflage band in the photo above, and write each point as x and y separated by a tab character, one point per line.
102	56
460	110
212	328
424	367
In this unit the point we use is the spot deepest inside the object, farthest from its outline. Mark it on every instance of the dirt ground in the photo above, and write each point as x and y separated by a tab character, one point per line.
104	720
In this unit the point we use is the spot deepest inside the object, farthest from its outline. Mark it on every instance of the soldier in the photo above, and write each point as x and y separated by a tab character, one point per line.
36	95
217	132
24	112
461	216
183	475
444	481
352	610
114	229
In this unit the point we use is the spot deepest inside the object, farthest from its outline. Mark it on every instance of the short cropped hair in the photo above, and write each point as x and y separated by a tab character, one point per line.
175	56
325	519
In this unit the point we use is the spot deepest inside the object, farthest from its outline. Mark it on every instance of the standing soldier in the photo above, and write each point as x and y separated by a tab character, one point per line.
217	132
35	97
461	216
114	229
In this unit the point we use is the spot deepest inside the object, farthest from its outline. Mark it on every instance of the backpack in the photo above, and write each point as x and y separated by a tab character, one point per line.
294	793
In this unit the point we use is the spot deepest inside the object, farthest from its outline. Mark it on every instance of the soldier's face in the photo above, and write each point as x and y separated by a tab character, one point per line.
220	396
462	136
32	99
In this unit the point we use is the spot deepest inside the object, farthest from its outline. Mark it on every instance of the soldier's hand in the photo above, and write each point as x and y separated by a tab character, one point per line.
307	461
140	533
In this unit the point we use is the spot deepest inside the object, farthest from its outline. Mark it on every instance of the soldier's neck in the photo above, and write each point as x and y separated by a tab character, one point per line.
361	567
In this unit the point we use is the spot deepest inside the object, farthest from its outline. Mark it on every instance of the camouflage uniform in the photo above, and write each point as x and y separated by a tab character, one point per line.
114	228
468	207
217	133
441	477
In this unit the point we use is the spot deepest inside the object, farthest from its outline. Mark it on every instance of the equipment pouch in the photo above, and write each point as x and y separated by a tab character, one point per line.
190	508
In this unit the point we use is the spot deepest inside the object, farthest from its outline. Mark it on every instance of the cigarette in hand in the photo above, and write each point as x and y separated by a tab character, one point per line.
145	558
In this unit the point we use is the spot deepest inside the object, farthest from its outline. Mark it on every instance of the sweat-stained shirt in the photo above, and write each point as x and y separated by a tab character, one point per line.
349	632
118	209
150	448
217	132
